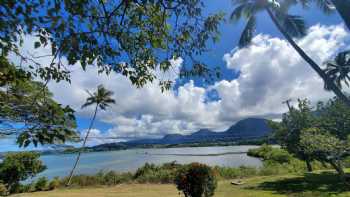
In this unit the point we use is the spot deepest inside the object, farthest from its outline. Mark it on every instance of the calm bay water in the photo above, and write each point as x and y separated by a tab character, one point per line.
130	160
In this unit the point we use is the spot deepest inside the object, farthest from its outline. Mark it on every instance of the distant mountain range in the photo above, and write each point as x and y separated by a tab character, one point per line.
247	129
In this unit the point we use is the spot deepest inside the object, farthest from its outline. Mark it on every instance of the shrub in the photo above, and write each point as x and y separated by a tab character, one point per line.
41	184
269	153
260	152
84	180
346	162
3	190
196	180
101	178
18	167
240	172
151	173
54	183
227	172
144	170
26	188
114	178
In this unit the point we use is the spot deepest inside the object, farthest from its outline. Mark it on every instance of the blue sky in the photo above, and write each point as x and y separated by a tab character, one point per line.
254	82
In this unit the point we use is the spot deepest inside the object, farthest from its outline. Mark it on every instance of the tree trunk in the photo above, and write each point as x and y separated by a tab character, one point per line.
83	146
343	8
339	168
308	165
312	63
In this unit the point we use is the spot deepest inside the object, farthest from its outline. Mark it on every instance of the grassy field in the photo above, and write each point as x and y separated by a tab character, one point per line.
320	184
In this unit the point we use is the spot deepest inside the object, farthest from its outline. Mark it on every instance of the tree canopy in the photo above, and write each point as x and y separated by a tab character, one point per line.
135	38
18	167
28	109
320	133
131	37
289	130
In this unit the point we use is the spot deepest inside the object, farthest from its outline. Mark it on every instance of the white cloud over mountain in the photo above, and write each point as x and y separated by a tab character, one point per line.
270	72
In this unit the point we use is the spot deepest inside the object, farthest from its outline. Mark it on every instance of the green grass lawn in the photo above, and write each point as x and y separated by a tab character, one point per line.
321	184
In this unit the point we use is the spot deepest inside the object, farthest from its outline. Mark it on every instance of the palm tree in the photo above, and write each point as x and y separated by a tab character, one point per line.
329	6
338	69
101	99
289	25
342	6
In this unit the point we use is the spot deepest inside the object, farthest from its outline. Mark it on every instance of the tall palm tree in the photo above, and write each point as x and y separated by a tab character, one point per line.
289	25
101	99
341	6
338	70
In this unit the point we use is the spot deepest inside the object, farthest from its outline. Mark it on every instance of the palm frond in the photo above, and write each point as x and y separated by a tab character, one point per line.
293	24
287	4
248	33
235	2
304	3
237	13
86	104
338	70
102	97
244	10
325	5
90	94
110	100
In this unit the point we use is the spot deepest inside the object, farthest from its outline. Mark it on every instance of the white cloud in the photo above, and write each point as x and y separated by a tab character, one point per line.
97	137
271	71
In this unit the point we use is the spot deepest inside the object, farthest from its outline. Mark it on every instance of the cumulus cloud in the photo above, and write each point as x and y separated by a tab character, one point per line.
270	72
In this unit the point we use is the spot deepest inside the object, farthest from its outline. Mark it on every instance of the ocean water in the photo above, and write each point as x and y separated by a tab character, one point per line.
129	160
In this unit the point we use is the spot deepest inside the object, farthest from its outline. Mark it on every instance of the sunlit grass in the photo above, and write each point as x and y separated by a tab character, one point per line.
318	184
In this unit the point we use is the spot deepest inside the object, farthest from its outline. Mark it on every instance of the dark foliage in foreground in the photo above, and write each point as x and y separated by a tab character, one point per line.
196	180
18	167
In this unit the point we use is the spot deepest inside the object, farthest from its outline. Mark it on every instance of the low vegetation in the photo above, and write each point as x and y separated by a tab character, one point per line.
316	184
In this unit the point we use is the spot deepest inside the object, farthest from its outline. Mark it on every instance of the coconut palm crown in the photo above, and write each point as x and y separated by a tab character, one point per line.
248	10
102	98
338	69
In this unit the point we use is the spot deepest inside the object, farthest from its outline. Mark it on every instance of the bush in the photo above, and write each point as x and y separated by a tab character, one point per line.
227	172
54	183
26	188
84	180
41	184
151	173
101	178
3	190
18	167
114	178
196	180
269	153
346	162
